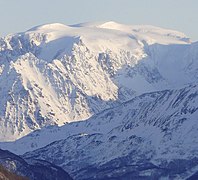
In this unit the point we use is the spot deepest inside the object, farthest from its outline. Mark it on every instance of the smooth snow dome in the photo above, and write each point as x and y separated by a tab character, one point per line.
101	36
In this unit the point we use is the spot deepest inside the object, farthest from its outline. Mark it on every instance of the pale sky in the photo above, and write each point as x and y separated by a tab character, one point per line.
20	15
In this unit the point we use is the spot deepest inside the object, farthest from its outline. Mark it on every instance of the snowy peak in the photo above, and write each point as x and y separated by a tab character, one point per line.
100	37
144	32
52	41
49	27
113	25
102	24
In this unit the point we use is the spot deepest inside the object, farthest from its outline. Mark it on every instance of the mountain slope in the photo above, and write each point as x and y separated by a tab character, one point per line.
144	137
33	170
54	74
166	109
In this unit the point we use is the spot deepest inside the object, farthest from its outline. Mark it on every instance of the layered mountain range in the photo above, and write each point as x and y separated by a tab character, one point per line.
102	100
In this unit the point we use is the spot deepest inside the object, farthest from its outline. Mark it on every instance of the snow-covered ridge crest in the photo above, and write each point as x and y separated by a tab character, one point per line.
50	39
141	31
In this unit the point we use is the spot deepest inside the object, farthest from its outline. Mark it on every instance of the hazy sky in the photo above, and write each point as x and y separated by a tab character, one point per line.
20	15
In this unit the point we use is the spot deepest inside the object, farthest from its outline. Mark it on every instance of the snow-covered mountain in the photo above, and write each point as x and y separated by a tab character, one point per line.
166	109
54	74
102	100
144	137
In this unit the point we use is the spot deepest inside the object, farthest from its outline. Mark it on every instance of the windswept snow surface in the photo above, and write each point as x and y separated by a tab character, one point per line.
53	74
